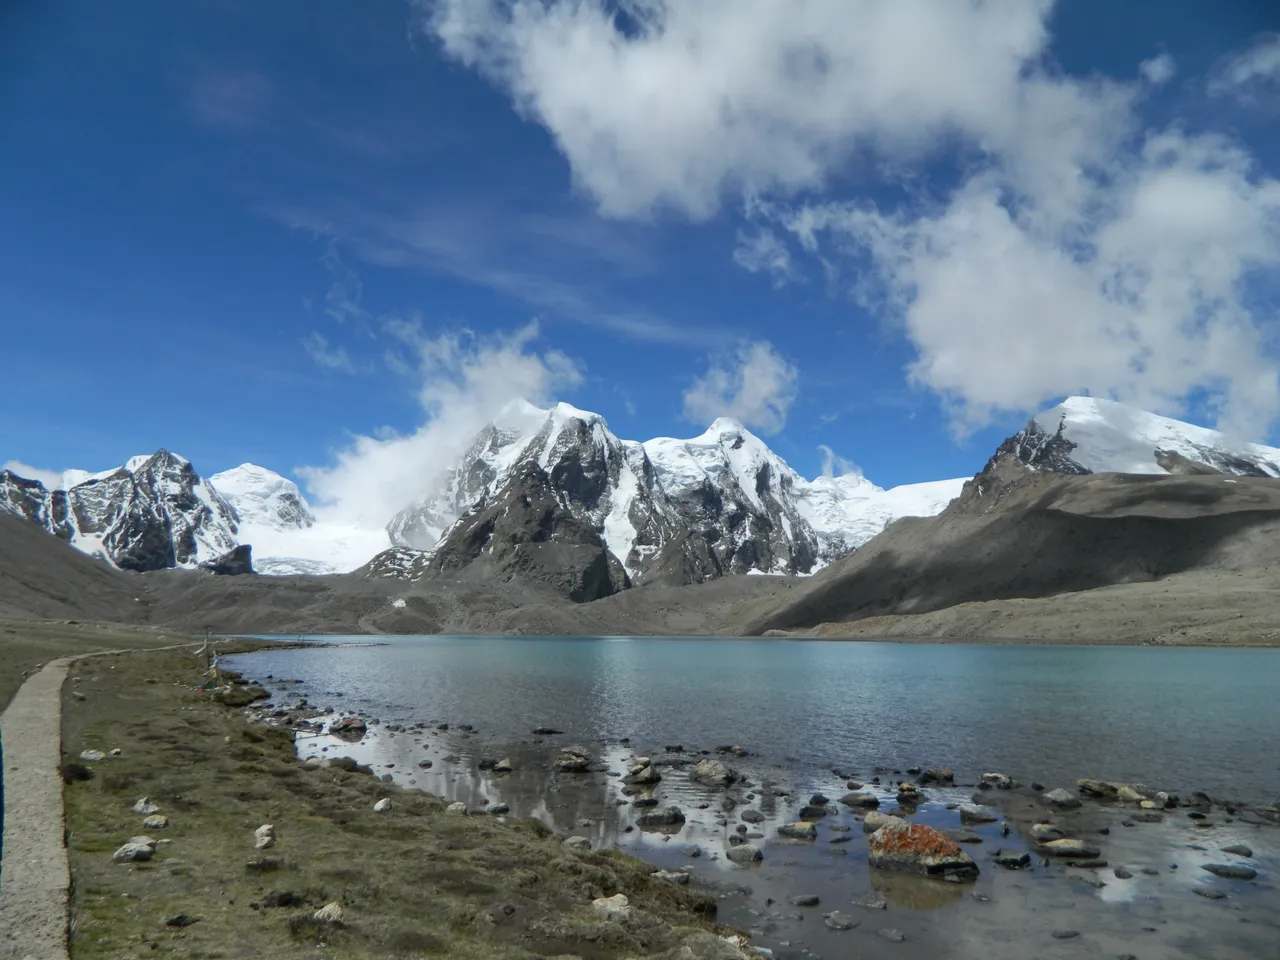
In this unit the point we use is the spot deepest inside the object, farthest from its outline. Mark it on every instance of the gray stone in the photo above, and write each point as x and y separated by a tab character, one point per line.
673	876
1065	934
892	935
972	813
1209	893
1239	849
145	806
744	853
382	806
805	900
577	843
1230	871
752	816
1069	847
330	914
1044	832
1015	861
871	901
131	852
798	831
712	773
875	820
839	921
157	821
860	799
92	756
670	817
1062	798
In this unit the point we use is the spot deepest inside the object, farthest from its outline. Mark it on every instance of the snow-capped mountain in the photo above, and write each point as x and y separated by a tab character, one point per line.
1091	435
262	497
152	513
666	509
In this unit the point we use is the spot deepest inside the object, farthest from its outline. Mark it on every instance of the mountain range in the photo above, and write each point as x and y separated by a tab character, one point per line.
554	498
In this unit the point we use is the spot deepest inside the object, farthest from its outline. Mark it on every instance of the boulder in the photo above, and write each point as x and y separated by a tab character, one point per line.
909	795
1069	847
236	562
938	775
744	853
157	821
145	806
712	773
839	921
875	820
1239	849
457	807
915	848
972	813
798	831
266	830
92	756
670	817
382	806
752	816
810	812
573	759
1230	871
615	909
1129	793
581	844
330	914
131	852
642	772
349	728
503	766
679	877
1064	799
1000	781
1099	789
1044	832
860	799
1014	861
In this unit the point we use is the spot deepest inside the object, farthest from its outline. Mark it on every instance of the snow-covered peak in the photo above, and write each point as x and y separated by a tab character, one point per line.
263	497
1106	436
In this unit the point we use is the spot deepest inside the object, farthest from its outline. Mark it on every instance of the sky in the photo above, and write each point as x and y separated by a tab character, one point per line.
333	237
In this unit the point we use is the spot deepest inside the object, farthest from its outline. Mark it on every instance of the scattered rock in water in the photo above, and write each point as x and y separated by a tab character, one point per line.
1000	781
577	843
1069	847
1065	934
131	852
503	766
871	901
811	812
744	853
545	731
712	773
798	831
839	921
909	795
642	772
875	820
649	801
330	915
425	764
382	806
1148	818
1017	861
818	800
573	759
157	821
1099	789
693	850
939	776
92	756
457	807
1239	849
972	813
1129	793
892	935
915	848
1061	798
486	763
1230	871
963	836
1088	864
349	728
733	750
841	838
1209	893
1122	874
1044	832
861	799
752	816
670	817
145	806
805	900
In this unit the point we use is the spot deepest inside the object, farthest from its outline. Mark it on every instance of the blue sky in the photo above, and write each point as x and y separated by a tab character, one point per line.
249	231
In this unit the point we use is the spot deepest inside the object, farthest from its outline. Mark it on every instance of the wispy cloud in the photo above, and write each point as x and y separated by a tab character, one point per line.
834	465
761	250
325	354
232	99
52	479
1249	72
754	385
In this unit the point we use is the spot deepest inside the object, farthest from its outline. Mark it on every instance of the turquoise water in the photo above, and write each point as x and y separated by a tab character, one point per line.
1183	719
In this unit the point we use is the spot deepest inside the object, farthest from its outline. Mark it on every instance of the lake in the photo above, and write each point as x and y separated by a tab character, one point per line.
1178	718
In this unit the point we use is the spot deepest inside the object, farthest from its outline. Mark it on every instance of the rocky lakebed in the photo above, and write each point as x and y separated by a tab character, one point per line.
910	862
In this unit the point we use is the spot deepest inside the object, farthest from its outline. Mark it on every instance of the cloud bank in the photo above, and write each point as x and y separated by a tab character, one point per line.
754	385
1070	249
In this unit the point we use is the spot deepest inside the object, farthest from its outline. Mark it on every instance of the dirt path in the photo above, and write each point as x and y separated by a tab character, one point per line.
34	877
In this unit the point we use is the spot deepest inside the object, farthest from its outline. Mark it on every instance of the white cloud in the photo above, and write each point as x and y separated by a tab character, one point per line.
681	99
1243	73
763	251
1158	70
52	479
834	465
326	355
466	380
755	385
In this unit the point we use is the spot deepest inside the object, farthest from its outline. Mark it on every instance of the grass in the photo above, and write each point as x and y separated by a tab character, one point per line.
412	882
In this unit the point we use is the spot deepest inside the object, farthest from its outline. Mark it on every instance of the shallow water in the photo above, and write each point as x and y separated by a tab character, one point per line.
1185	719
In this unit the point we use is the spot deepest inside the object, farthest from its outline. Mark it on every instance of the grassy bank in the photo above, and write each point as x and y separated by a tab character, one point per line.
413	881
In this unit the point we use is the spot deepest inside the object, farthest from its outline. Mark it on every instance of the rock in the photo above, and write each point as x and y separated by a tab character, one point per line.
1061	798
1239	849
236	562
805	900
1208	893
972	813
670	817
615	909
131	852
871	901
457	807
1065	934
909	795
425	764
577	843
144	805
486	763
382	806
498	809
798	831
875	820
1069	847
642	772
546	731
348	727
116	752
999	780
915	848
264	843
860	799
963	836
938	775
693	851
892	935
573	760
744	853
77	695
819	800
672	876
156	821
752	816
810	812
330	914
266	830
503	766
1129	794
1099	789
712	773
1230	871
1122	874
1014	861
839	921
181	920
92	756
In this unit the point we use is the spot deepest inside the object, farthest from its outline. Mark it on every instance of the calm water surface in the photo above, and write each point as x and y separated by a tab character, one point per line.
1186	719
